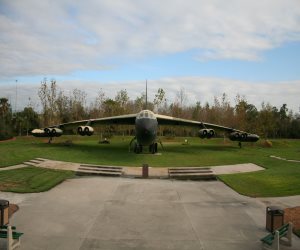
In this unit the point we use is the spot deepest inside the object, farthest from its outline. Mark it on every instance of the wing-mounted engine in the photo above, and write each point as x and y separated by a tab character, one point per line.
243	137
206	133
85	130
47	132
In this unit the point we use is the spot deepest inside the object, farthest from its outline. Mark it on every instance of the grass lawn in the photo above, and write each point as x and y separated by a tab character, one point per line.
31	179
281	178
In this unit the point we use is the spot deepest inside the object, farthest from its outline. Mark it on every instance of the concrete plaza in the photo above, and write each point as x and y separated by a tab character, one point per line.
123	213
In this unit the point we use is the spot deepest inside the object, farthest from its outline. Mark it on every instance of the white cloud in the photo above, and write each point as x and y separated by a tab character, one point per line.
58	37
196	89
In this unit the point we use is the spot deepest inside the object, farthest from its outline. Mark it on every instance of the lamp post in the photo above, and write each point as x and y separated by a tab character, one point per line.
16	101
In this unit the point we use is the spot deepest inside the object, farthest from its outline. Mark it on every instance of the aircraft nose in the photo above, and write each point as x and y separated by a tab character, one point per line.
146	131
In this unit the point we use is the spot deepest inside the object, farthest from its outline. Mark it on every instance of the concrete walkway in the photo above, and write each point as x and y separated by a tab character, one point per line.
14	167
236	168
135	171
142	214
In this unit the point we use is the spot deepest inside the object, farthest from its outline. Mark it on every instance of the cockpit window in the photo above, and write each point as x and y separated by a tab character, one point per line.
146	114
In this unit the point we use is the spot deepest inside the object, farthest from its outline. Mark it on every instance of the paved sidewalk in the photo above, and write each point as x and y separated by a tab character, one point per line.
136	171
14	167
142	214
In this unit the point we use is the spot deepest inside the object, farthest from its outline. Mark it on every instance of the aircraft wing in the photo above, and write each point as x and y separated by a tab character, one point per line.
84	127
169	120
117	120
207	129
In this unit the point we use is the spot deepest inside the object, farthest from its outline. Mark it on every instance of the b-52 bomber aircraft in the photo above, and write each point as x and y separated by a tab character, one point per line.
146	124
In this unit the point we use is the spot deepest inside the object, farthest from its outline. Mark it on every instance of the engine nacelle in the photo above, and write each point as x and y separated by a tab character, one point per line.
206	133
85	130
39	133
47	132
243	137
53	132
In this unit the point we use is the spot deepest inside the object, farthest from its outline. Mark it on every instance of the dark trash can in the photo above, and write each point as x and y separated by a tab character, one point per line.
274	218
4	207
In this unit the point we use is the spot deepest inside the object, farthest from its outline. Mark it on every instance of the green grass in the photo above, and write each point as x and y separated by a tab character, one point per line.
31	179
281	178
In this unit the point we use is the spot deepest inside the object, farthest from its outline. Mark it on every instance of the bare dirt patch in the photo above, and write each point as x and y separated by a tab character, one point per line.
12	209
293	215
5	186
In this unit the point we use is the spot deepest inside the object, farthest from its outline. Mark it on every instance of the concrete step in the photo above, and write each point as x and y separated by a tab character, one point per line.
82	171
102	167
90	169
29	163
40	159
190	168
191	173
35	161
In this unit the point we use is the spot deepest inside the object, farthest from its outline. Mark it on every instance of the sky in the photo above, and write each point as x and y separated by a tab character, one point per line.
206	48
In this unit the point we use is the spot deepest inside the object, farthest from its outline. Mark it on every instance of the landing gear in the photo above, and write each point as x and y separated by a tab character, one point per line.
153	148
138	148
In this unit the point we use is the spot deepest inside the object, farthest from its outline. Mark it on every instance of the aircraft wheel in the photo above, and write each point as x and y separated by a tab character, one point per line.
155	147
152	151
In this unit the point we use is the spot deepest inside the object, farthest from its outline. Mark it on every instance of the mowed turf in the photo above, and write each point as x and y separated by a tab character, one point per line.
281	178
31	179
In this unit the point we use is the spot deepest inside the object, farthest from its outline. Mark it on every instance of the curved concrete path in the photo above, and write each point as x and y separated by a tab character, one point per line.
136	171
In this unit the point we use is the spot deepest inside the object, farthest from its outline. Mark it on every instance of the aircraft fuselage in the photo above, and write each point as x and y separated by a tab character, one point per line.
146	128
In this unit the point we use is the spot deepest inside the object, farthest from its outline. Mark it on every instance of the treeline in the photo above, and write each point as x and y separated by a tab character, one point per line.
60	107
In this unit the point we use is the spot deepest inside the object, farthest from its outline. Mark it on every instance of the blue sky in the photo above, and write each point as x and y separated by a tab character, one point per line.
204	47
278	64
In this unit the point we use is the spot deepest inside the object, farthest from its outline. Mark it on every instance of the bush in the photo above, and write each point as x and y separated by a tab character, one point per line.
267	144
5	136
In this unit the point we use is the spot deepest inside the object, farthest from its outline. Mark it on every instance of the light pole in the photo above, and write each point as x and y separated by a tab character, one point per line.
16	96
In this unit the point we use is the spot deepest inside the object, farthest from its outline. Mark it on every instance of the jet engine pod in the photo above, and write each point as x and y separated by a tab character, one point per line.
39	133
243	137
56	132
235	136
206	133
53	132
85	130
251	138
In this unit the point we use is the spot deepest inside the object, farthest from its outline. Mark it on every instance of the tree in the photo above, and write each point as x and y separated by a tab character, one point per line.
294	128
266	121
159	100
25	121
139	102
196	111
121	100
47	95
64	109
78	101
97	107
284	121
181	97
5	120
